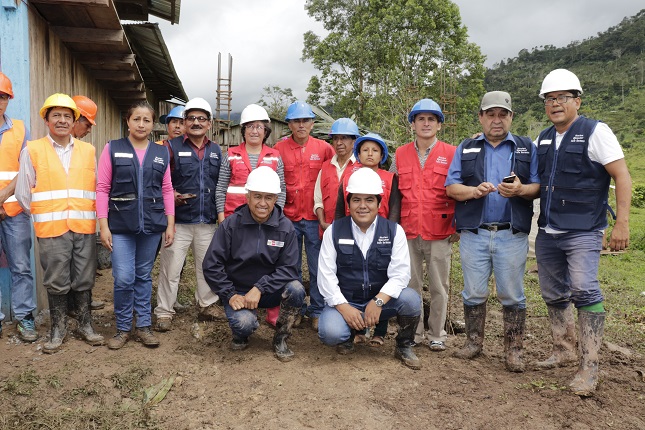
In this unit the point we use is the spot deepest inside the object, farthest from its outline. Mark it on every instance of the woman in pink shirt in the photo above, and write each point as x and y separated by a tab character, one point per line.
135	205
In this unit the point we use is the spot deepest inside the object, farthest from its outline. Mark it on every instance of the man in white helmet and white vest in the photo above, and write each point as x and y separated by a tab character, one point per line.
363	273
252	263
578	158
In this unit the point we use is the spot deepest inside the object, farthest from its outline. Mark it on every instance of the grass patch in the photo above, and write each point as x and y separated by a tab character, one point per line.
131	382
22	384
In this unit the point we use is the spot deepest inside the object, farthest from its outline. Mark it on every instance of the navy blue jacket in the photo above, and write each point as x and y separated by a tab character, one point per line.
573	189
468	214
361	279
244	254
195	176
136	201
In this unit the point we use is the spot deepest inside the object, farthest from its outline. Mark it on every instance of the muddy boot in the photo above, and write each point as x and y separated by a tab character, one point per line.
514	322
405	340
72	312
347	347
475	317
283	327
563	329
85	329
591	329
58	317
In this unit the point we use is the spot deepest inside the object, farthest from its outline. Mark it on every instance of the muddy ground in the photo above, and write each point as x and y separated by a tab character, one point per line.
83	387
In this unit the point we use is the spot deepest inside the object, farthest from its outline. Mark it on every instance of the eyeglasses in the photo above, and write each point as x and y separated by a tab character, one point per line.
194	118
258	127
561	99
4	97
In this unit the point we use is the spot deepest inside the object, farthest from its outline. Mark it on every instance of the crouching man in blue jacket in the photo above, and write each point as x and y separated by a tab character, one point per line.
252	263
363	273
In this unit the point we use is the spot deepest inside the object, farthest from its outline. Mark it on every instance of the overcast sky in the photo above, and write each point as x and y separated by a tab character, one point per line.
265	37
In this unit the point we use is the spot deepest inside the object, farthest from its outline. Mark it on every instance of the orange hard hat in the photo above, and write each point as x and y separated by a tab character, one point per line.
87	107
5	85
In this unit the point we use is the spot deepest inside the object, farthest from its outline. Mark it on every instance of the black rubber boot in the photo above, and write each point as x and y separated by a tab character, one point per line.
58	317
82	300
592	325
475	317
405	340
563	329
514	323
283	327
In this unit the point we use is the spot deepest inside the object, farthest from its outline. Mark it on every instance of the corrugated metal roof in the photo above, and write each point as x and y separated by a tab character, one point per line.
154	61
166	9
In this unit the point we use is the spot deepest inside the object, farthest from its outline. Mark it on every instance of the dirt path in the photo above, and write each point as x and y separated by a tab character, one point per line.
95	388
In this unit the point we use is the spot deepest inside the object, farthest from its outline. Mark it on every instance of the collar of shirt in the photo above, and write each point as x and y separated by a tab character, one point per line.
364	240
509	138
65	148
7	124
334	161
190	142
416	146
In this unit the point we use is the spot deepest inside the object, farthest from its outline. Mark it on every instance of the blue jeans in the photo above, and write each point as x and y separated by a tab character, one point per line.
244	322
15	239
308	230
568	267
502	253
133	256
332	328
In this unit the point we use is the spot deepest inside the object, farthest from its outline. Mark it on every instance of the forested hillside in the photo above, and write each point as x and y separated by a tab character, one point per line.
611	68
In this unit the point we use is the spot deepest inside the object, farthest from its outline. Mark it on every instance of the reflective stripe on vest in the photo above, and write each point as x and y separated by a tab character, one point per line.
10	147
55	208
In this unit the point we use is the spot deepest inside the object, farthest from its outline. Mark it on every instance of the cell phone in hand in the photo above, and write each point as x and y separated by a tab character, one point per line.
509	179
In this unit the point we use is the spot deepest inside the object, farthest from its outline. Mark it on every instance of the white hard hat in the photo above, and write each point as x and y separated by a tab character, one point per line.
254	112
198	103
263	180
560	80
365	181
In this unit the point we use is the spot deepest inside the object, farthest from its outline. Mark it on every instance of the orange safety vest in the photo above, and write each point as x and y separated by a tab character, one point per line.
329	182
301	167
426	209
10	147
240	166
62	201
386	183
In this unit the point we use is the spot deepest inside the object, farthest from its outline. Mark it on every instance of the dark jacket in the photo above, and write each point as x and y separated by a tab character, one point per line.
244	254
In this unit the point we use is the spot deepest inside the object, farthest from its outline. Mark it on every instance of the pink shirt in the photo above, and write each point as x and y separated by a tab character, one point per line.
104	184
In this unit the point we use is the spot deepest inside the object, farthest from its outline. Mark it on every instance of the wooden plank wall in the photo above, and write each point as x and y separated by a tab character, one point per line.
54	70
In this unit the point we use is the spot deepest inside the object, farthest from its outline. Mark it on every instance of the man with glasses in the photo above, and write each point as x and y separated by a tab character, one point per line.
578	158
494	179
194	166
343	133
15	226
303	157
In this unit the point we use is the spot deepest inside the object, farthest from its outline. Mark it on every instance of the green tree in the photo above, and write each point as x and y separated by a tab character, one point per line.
276	100
313	90
379	57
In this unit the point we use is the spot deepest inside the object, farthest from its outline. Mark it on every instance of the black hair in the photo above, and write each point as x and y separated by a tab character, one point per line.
140	104
378	198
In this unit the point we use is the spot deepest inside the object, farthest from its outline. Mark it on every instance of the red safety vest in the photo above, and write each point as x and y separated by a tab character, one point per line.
238	160
301	166
426	209
386	182
10	147
63	201
329	182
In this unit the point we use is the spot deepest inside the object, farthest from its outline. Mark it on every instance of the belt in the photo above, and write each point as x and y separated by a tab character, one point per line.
496	227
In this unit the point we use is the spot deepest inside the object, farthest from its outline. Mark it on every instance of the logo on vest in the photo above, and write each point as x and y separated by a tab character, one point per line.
383	240
521	150
578	138
314	157
158	160
276	243
441	160
214	155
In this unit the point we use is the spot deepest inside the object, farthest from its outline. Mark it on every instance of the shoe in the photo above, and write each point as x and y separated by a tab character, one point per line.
96	305
27	329
179	308
163	324
475	317
146	337
347	347
437	346
213	312
82	301
119	339
404	340
239	344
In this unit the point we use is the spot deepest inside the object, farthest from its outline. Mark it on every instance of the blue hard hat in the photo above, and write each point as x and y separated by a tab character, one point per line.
375	138
176	112
344	126
425	106
299	109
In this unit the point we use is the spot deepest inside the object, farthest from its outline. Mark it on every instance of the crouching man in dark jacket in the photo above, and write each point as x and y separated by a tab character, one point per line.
252	263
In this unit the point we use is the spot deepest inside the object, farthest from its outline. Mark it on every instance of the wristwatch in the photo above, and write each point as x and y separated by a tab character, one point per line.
379	302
